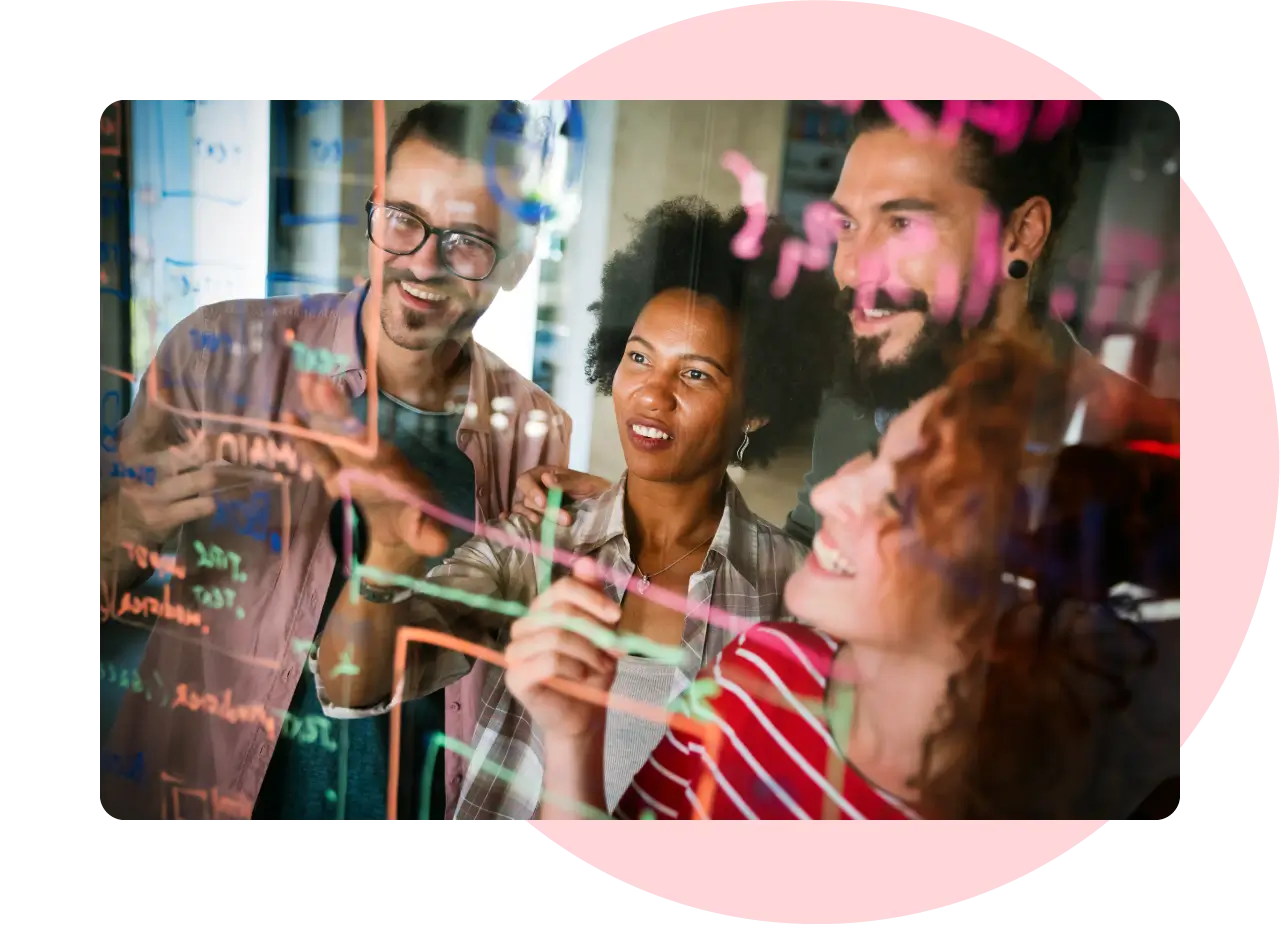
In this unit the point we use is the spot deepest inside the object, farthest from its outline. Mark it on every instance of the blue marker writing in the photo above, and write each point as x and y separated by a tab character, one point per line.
508	125
146	474
110	431
248	517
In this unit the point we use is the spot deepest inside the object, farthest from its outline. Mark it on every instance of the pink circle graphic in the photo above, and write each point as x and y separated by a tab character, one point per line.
846	872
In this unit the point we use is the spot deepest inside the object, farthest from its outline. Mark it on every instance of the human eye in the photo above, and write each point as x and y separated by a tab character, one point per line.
466	244
635	356
900	222
698	375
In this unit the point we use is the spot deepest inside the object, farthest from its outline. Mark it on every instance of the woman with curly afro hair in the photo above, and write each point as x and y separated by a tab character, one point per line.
786	347
706	368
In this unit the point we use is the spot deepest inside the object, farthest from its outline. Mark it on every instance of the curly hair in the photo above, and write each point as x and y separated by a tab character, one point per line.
1048	168
1014	737
789	344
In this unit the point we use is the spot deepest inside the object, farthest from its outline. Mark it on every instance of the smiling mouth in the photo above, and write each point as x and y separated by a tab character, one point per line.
422	293
649	433
829	559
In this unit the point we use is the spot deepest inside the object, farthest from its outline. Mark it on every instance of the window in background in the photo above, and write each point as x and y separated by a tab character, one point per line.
310	169
199	208
550	332
817	141
113	265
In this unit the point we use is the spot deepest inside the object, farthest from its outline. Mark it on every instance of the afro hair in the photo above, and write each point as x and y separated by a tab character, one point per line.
789	344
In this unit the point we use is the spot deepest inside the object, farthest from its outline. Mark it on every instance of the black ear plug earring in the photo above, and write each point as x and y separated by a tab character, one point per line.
1018	268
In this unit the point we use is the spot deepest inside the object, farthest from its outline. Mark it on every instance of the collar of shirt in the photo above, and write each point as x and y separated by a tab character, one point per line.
348	336
602	520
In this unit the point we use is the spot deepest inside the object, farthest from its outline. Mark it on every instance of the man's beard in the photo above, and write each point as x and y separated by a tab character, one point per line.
893	386
417	330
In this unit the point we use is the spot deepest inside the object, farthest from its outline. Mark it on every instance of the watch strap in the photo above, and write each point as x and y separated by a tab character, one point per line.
379	594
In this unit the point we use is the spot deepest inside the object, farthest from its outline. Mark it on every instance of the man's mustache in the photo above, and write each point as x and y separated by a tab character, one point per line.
914	300
444	285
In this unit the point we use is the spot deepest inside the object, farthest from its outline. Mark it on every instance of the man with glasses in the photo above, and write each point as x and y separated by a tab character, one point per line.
455	426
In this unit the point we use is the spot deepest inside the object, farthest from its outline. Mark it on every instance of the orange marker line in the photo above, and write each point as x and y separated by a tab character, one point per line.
407	634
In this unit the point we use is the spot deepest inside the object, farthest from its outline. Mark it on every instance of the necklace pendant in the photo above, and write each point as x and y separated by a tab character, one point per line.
643	586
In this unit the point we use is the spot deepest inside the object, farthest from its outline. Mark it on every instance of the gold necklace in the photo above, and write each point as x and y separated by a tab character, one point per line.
646	580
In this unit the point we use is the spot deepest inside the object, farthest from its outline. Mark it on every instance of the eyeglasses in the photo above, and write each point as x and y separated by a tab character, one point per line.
402	233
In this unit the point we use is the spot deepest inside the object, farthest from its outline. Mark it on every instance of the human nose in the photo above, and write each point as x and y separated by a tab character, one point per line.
655	392
425	261
858	260
842	496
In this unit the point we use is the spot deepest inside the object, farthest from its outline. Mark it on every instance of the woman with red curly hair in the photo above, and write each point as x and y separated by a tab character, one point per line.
923	681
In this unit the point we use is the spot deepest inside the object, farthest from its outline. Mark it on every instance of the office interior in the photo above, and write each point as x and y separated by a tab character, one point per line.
204	201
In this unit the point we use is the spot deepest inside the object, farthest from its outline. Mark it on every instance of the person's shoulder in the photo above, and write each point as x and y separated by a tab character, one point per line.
798	655
241	319
779	540
505	381
770	538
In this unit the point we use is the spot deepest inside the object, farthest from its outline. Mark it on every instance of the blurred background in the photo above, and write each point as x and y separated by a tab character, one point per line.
210	200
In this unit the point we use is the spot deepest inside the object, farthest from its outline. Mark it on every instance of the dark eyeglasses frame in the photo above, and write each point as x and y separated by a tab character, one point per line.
438	234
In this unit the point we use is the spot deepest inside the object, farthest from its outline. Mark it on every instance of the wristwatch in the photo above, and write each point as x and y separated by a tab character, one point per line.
378	594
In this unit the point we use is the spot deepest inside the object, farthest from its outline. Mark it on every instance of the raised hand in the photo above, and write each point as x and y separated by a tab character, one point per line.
531	490
399	532
543	650
160	487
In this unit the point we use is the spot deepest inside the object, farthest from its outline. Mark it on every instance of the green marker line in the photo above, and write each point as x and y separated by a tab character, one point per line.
437	743
841	713
508	777
352	520
603	637
478	601
548	538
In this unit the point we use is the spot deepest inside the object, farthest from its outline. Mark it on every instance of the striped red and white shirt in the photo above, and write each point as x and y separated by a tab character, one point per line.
777	758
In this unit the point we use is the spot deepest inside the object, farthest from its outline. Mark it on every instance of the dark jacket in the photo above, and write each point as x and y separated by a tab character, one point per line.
1117	409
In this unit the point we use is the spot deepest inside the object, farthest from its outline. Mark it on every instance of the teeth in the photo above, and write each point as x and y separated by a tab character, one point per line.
420	293
829	558
651	432
877	313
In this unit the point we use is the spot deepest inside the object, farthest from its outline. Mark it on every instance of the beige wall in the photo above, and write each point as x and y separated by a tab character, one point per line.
665	149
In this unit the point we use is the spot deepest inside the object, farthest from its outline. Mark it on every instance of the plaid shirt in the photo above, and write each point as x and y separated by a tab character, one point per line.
744	572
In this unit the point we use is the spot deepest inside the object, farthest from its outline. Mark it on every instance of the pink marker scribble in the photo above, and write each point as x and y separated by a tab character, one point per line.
913	120
1122	249
946	292
1164	323
1062	302
1129	246
873	271
954	115
1053	116
746	243
813	252
1004	120
986	266
920	238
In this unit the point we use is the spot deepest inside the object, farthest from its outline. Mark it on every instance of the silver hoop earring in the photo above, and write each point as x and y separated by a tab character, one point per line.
743	447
